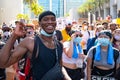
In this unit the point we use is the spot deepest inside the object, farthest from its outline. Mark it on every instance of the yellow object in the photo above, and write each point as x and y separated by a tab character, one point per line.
118	21
65	36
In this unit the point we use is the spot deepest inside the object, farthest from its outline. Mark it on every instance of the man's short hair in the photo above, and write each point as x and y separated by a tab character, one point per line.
30	25
104	23
85	23
68	22
112	24
17	22
45	13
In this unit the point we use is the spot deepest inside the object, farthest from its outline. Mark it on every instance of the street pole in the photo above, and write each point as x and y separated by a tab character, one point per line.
63	7
50	5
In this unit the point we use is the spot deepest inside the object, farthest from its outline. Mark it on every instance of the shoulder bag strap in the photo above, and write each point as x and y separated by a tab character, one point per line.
116	55
56	51
94	51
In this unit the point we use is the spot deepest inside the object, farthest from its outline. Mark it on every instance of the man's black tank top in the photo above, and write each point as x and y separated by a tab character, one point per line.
45	59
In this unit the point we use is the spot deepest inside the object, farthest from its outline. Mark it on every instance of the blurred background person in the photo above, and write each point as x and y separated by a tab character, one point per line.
103	59
112	26
91	29
73	56
58	35
85	37
92	41
105	25
24	63
116	39
10	71
6	33
67	32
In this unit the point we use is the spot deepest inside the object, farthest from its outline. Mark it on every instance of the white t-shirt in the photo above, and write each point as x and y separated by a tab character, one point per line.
65	58
85	37
92	33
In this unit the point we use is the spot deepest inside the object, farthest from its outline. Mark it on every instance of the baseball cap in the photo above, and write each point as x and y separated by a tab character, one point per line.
68	22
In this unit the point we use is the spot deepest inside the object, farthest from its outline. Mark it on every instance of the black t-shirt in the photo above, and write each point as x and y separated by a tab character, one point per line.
59	35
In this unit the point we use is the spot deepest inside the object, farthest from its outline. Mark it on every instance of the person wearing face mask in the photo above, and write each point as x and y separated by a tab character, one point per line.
85	37
73	56
116	39
6	33
102	59
67	32
92	41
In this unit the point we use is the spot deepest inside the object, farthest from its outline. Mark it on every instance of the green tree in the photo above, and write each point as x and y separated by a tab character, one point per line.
34	6
29	1
22	16
91	5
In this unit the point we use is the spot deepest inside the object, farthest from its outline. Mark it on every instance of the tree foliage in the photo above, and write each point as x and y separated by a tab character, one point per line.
29	1
91	4
34	6
22	16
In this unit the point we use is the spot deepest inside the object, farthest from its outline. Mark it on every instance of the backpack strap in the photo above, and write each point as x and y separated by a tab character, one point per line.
89	33
116	55
94	51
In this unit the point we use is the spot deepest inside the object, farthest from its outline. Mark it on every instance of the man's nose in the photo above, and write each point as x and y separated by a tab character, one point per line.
50	21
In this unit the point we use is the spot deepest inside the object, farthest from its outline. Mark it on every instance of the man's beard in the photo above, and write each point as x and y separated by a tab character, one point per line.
68	29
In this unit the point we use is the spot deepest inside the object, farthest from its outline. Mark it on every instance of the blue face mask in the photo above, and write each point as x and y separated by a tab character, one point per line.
103	41
46	34
77	40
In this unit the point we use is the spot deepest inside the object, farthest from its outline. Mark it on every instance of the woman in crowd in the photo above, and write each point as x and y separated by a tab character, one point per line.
73	56
91	41
116	39
103	59
91	30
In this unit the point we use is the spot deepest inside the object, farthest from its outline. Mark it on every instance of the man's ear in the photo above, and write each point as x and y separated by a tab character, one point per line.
39	24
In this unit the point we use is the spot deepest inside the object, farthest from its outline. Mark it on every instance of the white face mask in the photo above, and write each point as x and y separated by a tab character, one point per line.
6	35
46	34
85	27
97	33
117	37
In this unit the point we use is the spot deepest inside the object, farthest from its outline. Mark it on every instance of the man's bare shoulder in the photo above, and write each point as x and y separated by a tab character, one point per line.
28	43
28	40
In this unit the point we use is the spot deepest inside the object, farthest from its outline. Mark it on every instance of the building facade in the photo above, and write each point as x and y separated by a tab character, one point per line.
110	8
9	10
61	7
54	5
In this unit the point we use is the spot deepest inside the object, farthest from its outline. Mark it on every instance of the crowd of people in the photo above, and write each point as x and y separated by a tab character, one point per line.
90	52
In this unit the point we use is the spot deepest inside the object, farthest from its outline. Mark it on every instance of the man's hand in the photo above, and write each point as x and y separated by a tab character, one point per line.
19	30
